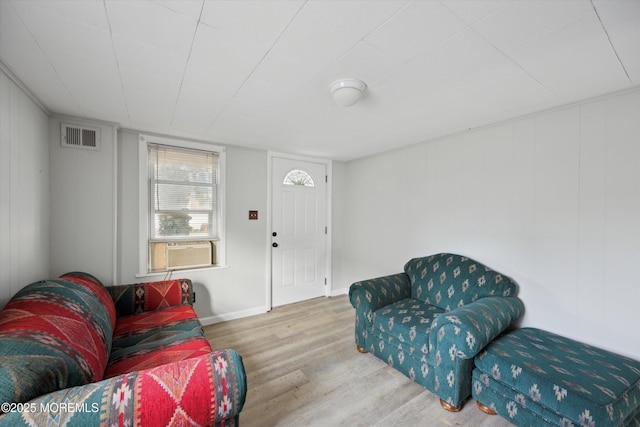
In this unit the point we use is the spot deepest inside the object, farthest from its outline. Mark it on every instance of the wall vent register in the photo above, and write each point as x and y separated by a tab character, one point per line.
74	136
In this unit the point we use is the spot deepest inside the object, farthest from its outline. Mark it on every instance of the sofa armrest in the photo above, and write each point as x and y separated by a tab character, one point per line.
206	390
141	297
369	295
466	330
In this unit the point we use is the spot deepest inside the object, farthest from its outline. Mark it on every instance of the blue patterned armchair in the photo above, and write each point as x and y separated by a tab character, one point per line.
430	321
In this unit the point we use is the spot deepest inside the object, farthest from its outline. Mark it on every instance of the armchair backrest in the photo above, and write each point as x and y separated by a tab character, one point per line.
449	280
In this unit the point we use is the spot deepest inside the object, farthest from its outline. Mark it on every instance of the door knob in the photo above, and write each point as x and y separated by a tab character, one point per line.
274	244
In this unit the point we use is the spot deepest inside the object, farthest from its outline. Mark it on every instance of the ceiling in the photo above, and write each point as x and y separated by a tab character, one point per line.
256	73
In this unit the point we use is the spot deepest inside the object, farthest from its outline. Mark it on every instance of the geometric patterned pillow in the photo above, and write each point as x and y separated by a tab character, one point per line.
143	297
94	285
55	334
209	390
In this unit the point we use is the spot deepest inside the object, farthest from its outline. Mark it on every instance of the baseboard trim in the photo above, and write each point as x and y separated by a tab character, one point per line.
211	320
338	292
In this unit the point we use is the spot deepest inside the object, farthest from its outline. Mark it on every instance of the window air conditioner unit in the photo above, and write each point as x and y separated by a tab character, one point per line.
188	255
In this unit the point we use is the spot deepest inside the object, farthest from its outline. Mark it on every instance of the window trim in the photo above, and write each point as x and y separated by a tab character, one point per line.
307	182
144	208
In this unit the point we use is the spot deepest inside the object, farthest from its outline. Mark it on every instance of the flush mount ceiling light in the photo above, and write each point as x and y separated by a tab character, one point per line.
347	92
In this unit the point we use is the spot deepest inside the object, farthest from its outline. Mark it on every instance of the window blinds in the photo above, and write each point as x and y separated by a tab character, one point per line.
183	184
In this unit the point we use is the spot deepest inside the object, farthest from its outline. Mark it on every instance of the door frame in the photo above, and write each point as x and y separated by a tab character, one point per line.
329	244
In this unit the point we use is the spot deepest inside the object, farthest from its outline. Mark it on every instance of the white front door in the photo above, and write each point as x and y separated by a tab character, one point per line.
298	252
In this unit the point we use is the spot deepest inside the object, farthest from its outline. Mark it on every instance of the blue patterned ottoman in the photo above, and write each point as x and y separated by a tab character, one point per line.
535	378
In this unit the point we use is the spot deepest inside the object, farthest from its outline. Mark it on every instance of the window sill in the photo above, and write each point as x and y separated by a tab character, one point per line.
172	273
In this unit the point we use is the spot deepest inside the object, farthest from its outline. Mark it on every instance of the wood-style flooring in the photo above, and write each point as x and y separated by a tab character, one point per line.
303	370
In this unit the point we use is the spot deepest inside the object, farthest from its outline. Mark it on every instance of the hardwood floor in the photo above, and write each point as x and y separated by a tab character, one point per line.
303	370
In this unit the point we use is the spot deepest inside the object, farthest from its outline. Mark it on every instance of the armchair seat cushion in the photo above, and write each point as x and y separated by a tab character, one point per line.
406	324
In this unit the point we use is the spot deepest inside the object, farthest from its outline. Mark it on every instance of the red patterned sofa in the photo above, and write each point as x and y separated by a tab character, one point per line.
74	352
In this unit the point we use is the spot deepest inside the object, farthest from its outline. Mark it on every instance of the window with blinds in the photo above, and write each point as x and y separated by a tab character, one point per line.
183	211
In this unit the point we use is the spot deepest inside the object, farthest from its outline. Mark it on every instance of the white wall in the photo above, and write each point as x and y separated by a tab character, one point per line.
224	293
83	203
552	200
24	190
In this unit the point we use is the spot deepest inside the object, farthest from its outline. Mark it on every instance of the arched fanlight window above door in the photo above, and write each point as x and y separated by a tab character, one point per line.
298	177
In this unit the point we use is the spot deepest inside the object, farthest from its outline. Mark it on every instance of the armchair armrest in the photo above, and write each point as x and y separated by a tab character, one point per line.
206	390
466	330
141	297
373	294
369	295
